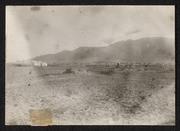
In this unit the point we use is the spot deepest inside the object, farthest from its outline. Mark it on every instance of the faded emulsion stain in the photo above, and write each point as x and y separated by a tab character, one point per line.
96	9
171	18
35	8
40	117
27	37
133	32
30	72
46	25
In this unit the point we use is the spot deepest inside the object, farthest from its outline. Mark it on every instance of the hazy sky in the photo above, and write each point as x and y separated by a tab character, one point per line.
33	31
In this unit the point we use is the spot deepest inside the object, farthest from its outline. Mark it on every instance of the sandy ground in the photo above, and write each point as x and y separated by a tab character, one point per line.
89	98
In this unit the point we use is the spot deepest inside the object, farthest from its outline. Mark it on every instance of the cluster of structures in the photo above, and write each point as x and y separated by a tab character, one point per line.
31	63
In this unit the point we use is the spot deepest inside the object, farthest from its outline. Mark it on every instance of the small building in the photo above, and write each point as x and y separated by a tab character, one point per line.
39	63
44	64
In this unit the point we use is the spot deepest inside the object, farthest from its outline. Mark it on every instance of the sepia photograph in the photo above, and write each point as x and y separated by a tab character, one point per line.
90	65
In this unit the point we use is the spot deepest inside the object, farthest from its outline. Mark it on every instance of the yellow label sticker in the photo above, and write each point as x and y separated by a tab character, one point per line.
41	117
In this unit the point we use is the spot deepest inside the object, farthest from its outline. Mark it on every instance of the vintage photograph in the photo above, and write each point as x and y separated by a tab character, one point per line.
90	65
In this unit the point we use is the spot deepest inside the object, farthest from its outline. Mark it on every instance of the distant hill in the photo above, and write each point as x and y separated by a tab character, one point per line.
146	50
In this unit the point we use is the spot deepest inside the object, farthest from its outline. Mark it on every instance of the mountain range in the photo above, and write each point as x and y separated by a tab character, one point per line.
146	50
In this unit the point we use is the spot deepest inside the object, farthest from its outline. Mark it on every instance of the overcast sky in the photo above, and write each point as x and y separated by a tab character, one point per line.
33	31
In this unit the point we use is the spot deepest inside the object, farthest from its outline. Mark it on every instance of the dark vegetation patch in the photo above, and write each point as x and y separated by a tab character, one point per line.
142	97
107	72
50	74
133	109
68	71
101	70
